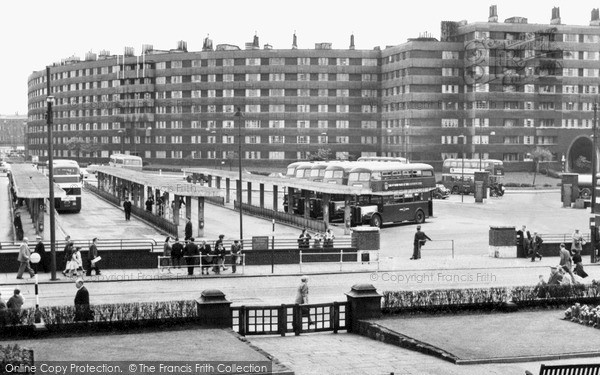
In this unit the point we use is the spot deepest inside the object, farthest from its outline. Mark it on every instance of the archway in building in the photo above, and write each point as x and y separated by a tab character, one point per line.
579	155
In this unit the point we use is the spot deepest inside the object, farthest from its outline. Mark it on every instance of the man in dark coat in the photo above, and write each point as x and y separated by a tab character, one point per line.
92	253
420	239
43	263
18	226
177	253
149	204
127	208
82	303
189	232
190	253
206	257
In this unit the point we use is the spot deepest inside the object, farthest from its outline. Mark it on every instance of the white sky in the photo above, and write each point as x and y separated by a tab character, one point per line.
35	33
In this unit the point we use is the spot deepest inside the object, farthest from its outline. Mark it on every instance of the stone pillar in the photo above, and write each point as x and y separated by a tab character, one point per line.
347	215
275	198
213	309
227	189
188	207
261	195
306	196
210	180
176	210
249	199
502	242
218	182
156	196
200	217
364	303
290	200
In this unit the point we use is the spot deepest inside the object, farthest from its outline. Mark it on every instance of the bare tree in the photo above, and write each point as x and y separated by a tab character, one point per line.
79	145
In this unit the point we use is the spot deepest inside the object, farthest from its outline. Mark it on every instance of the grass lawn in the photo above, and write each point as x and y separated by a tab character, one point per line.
527	178
490	337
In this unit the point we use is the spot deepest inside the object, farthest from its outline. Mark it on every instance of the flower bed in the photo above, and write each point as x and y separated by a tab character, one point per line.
60	319
586	315
15	356
442	299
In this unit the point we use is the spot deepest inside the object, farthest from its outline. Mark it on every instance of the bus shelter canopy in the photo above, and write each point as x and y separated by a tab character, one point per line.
29	183
294	183
169	183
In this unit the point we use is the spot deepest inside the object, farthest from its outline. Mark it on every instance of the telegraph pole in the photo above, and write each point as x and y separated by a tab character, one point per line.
49	103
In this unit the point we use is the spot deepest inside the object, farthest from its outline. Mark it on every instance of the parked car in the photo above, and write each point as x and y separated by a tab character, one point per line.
441	192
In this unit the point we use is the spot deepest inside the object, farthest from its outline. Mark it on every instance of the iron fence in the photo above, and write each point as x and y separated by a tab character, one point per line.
290	318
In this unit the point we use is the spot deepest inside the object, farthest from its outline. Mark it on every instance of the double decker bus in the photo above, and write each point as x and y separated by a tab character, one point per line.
400	192
458	175
126	161
66	175
383	158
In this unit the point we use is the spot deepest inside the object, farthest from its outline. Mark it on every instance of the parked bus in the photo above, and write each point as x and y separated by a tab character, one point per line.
383	158
66	175
338	173
126	161
401	192
460	178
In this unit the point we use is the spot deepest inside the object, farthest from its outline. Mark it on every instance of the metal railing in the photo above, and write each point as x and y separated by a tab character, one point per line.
324	257
282	217
564	238
290	318
103	244
167	262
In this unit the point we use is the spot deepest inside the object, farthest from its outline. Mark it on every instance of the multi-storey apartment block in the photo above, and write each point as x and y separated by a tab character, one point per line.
489	89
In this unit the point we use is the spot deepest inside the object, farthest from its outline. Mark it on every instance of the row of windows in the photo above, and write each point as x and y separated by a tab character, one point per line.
511	122
273	61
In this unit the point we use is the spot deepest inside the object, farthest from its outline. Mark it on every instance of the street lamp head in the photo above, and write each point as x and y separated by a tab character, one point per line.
50	99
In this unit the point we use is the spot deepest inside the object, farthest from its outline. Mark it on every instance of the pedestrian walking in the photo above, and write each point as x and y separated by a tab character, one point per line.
67	253
92	258
23	258
419	241
127	208
76	264
83	312
302	298
536	245
190	252
236	255
578	262
522	250
167	250
40	248
566	263
176	253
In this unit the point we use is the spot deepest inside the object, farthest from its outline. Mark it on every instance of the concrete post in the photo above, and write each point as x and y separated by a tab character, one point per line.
218	182
261	195
188	207
227	189
249	200
325	205
364	303
213	309
176	209
306	195
200	217
275	198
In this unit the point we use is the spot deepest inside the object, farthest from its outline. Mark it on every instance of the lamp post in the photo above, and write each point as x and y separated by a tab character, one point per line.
239	116
594	228
50	103
462	173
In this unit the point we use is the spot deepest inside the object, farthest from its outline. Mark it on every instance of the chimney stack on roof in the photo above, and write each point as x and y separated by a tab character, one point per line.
595	21
493	14
294	41
555	16
352	41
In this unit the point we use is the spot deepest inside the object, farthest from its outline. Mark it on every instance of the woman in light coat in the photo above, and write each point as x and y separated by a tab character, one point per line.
76	262
302	298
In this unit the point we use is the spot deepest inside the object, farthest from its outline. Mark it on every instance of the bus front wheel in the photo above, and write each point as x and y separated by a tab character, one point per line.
376	221
419	217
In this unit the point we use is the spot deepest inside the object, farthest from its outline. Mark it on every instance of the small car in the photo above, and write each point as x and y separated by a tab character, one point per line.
440	192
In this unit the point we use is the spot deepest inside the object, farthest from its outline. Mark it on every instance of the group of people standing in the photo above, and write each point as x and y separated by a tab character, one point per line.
74	263
529	245
206	256
321	240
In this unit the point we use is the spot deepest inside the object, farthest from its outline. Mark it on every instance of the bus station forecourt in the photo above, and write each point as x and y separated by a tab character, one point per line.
465	224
